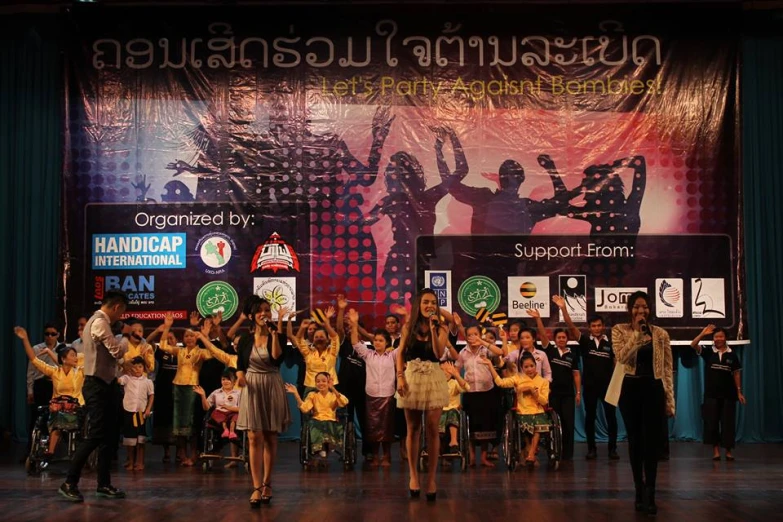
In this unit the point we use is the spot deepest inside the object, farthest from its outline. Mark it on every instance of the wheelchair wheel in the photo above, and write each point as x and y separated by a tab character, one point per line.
464	440
555	442
349	446
304	445
511	442
34	461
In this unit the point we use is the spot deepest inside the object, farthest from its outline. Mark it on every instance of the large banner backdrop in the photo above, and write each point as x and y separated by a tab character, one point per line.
498	155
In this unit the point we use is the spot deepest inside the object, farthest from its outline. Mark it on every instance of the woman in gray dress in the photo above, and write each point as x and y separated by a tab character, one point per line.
263	410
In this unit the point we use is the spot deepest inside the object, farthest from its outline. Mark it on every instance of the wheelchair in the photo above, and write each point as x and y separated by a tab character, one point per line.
38	459
213	445
347	451
551	440
463	452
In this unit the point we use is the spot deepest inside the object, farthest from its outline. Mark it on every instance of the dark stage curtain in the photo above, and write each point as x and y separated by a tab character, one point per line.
30	176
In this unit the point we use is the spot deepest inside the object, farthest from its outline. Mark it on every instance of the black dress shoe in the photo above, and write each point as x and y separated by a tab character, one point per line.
415	493
432	497
70	492
613	455
591	455
109	492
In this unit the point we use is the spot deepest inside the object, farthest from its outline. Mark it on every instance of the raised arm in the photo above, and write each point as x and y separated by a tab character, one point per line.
232	332
543	336
155	334
573	331
42	367
708	330
334	338
204	401
216	352
168	320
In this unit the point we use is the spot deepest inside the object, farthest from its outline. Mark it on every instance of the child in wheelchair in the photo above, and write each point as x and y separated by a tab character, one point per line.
67	380
532	396
326	432
450	418
224	403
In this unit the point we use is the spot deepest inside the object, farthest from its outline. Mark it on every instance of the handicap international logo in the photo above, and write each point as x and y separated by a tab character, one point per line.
275	254
668	298
138	251
280	292
528	293
217	296
215	251
478	292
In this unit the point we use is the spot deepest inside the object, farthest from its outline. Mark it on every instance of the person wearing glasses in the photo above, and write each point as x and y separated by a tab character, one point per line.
647	394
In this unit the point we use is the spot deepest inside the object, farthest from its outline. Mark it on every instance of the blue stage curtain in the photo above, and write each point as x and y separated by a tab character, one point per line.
30	176
762	143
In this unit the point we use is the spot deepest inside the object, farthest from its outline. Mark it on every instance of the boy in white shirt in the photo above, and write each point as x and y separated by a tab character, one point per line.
137	406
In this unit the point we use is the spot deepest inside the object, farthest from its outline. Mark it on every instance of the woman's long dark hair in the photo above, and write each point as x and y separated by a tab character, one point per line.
251	307
415	320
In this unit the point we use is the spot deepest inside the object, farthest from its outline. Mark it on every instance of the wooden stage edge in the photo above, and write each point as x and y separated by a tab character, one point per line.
690	487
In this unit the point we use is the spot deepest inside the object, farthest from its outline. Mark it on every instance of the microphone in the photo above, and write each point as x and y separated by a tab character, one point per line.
644	327
270	324
435	321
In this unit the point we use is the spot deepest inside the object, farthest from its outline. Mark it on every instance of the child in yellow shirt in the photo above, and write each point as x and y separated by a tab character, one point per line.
325	431
532	395
450	416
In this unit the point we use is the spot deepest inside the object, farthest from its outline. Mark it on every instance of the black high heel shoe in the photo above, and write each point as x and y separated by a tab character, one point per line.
652	509
255	503
266	499
639	504
432	497
415	493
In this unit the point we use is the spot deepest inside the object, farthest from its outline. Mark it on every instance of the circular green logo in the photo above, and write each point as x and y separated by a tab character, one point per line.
217	296
478	292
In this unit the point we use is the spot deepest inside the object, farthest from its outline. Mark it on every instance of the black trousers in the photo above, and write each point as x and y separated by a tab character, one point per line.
643	406
564	406
595	393
102	403
719	422
42	394
354	389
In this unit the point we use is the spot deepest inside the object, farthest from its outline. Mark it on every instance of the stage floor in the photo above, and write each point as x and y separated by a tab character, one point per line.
691	487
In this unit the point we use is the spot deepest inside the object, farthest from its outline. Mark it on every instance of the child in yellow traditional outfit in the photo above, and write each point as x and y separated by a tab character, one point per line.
325	431
67	380
532	395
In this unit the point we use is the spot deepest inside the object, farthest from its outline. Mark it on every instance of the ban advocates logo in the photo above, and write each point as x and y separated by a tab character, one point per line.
614	299
439	281
528	293
217	296
478	292
275	254
668	298
139	289
215	250
573	290
708	298
280	292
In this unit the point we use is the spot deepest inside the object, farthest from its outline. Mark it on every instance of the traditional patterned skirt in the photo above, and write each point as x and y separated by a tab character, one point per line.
379	420
325	432
427	388
535	423
184	399
448	418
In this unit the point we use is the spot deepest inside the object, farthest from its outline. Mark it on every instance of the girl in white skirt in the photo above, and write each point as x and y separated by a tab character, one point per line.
421	384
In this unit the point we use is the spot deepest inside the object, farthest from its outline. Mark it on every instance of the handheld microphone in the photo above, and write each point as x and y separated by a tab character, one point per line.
644	327
434	318
270	324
